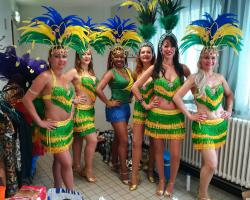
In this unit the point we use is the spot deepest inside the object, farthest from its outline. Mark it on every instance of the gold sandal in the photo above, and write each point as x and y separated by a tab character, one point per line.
85	175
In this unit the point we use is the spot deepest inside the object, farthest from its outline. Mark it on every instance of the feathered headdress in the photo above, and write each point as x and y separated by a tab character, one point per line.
210	33
117	32
54	30
169	17
95	35
147	10
20	70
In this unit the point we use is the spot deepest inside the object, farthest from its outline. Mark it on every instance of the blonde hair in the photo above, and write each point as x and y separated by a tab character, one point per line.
200	77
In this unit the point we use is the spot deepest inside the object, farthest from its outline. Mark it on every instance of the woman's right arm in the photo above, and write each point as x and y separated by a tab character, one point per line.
189	83
36	88
108	76
138	84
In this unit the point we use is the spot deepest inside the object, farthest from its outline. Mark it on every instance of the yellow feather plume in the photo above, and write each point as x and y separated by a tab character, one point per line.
200	31
152	5
131	35
136	5
40	27
226	29
78	30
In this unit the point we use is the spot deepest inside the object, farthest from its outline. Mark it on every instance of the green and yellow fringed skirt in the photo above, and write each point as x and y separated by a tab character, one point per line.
165	124
84	120
209	134
59	139
140	114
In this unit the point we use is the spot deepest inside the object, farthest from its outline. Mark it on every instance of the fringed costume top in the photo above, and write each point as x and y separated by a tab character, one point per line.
60	96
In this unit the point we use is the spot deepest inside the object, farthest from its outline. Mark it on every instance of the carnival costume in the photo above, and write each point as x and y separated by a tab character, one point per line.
58	32
84	114
160	123
119	34
146	16
212	34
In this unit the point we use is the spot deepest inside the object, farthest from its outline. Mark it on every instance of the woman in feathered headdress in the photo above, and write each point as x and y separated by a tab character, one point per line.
85	83
145	58
164	120
53	87
121	34
209	122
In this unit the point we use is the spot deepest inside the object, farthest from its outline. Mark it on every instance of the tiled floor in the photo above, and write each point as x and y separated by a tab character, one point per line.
110	187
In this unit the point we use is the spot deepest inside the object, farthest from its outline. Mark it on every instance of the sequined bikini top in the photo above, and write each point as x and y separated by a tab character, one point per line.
212	98
88	86
165	88
60	96
121	87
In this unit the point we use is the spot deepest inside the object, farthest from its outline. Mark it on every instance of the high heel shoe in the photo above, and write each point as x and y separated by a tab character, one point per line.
203	198
168	194
133	187
124	181
151	179
160	189
90	179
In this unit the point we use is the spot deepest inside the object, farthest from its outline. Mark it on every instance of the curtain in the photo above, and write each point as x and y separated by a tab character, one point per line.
235	69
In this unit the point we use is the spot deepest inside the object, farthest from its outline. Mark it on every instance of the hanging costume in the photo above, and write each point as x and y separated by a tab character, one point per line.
54	30
212	34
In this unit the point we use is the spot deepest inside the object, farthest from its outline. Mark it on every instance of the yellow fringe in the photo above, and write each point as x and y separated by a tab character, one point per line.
165	112
173	136
208	146
84	106
58	149
62	123
208	136
212	121
63	100
213	102
83	128
138	121
60	138
162	90
139	114
165	126
84	119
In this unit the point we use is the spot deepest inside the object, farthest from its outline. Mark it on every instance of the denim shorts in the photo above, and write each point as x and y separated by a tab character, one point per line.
118	114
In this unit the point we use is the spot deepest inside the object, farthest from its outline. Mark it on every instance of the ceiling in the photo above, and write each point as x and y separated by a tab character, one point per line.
69	3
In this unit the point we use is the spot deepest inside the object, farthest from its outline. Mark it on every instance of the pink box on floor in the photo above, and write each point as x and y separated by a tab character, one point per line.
30	193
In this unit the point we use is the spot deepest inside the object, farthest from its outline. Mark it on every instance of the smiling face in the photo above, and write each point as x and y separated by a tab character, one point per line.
207	59
86	58
58	58
167	49
146	55
118	57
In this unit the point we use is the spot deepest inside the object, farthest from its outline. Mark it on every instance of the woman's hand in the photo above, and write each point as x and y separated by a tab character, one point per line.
154	103
80	99
47	124
199	116
225	114
113	103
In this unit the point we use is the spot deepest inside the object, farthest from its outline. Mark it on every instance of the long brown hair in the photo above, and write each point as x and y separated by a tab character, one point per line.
139	64
78	65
